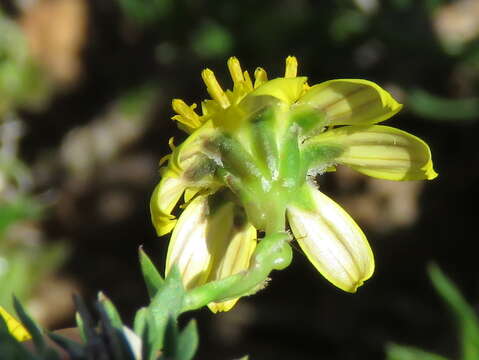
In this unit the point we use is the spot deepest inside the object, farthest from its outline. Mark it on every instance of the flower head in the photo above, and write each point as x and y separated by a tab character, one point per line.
249	164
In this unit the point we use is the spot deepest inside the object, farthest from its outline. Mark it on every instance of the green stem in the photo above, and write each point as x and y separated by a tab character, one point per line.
272	253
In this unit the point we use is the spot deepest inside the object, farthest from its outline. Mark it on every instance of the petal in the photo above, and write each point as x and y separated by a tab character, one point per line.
14	326
165	197
188	247
287	90
235	259
201	234
351	101
382	152
332	241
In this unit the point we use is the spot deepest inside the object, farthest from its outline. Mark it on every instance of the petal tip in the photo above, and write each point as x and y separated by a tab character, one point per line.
431	174
222	306
396	107
354	288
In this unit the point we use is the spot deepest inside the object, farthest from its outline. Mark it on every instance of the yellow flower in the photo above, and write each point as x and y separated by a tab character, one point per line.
250	162
14	326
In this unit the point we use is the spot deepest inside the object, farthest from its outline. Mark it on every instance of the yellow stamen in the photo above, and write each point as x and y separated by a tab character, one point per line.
214	88
247	82
260	77
291	67
235	70
186	114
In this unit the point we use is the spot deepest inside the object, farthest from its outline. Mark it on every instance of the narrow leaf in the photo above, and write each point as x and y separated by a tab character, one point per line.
464	313
81	326
87	326
437	108
31	326
188	342
399	352
111	311
152	277
139	323
170	345
10	348
74	349
115	337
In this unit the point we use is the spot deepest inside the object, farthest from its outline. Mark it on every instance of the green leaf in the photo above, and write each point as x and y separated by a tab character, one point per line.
151	275
111	311
188	342
31	326
10	348
115	337
399	352
166	304
438	108
74	349
81	326
464	313
139	323
180	346
170	346
84	320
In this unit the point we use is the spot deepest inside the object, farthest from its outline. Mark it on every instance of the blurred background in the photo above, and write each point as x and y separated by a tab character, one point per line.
85	94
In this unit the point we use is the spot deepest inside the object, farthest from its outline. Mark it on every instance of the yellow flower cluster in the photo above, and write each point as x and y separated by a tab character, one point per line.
249	164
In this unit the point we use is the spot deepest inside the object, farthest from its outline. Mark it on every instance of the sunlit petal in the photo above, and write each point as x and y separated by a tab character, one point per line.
287	90
381	151
332	241
351	102
201	235
236	258
165	197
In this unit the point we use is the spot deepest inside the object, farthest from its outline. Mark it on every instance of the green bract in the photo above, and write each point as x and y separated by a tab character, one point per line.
250	163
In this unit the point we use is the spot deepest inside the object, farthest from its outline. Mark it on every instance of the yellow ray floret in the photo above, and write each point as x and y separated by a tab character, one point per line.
14	326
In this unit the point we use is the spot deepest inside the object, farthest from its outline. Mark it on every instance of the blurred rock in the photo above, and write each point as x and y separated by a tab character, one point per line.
457	23
56	33
87	147
378	204
52	302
